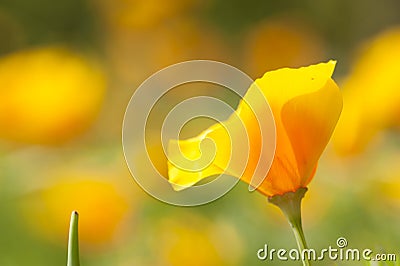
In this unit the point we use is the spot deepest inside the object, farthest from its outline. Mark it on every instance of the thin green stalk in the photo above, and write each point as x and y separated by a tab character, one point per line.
301	240
73	241
290	205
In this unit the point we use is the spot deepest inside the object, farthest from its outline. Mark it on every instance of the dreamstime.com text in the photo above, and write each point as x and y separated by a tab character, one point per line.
338	252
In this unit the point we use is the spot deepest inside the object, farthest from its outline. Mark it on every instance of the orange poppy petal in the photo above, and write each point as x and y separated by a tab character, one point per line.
309	121
306	104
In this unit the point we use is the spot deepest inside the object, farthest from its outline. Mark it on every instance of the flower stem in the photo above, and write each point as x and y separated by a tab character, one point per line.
290	205
73	242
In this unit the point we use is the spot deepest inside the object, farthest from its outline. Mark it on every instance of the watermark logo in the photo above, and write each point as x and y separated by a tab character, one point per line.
341	242
339	252
138	145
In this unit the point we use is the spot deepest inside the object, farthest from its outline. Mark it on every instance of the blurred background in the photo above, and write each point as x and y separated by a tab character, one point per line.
68	69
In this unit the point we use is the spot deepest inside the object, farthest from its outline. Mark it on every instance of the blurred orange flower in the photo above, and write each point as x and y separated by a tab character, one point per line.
306	104
48	95
281	42
136	54
100	204
372	94
141	14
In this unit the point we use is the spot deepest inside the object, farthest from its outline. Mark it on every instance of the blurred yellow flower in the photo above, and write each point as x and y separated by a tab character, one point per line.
371	94
48	95
306	104
136	54
100	204
388	190
381	175
281	42
193	240
141	14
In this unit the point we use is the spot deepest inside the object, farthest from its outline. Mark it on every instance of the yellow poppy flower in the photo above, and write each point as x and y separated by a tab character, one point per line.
306	104
48	95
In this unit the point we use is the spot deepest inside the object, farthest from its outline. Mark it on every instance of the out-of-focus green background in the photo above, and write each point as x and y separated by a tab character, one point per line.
68	69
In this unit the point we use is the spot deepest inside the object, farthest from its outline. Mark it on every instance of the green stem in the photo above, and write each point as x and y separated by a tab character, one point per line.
290	205
73	241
